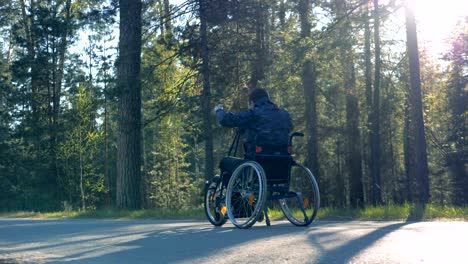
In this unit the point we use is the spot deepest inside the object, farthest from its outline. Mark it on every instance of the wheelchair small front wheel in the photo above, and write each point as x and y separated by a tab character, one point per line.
246	194
301	207
215	209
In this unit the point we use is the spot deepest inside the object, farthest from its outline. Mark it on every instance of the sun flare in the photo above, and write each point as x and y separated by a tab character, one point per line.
437	19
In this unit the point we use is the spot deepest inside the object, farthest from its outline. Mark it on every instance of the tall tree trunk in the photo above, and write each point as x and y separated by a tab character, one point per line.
420	153
167	22
368	80
353	138
41	88
340	191
375	131
258	68
308	78
28	23
206	95
107	186
83	202
407	152
58	69
354	157
63	45
129	84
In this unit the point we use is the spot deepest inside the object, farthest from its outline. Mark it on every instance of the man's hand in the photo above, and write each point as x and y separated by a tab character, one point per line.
218	107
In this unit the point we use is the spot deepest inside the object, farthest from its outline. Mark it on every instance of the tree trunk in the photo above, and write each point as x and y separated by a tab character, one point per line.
340	191
27	25
354	157
407	152
206	95
58	69
368	78
83	203
167	21
129	84
457	98
258	68
308	78
41	96
420	153
353	138
375	132
106	149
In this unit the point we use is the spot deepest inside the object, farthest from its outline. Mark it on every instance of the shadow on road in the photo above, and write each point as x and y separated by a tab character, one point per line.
198	243
108	241
345	252
140	241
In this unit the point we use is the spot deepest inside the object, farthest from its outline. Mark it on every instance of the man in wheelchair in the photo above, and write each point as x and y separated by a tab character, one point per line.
267	171
266	128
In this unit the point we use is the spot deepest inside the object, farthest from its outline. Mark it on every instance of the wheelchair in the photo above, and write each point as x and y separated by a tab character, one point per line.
246	188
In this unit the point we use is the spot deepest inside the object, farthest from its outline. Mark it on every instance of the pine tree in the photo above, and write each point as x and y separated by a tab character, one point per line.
420	152
129	86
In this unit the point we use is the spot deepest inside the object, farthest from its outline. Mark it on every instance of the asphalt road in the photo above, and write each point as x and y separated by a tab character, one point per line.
151	241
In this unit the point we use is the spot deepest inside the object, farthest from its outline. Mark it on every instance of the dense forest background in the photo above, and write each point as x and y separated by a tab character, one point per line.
109	103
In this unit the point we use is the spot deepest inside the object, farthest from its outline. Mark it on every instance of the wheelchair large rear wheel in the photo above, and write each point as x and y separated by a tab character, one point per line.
302	206
246	194
214	202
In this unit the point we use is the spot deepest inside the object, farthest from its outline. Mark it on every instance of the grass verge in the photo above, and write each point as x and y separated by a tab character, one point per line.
113	214
408	212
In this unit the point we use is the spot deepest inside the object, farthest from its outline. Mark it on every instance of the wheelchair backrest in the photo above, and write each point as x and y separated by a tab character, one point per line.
276	161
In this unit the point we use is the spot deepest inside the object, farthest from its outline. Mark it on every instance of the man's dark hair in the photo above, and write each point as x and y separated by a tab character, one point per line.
257	94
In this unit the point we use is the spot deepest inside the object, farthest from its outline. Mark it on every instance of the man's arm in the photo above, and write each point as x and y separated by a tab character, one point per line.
229	119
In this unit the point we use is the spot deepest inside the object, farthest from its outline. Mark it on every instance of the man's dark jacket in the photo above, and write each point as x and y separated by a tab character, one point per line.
265	123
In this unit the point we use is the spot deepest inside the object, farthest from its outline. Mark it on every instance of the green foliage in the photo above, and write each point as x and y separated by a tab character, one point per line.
79	152
171	184
46	147
171	168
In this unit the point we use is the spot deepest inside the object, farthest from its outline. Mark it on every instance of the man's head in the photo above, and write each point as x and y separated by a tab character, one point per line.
257	94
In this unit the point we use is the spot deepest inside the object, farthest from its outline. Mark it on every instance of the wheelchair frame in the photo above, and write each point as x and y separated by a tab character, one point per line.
218	195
